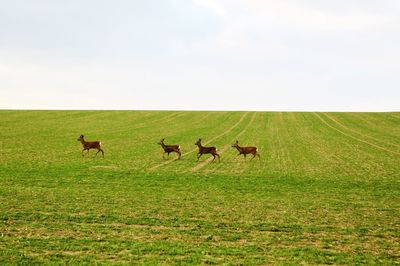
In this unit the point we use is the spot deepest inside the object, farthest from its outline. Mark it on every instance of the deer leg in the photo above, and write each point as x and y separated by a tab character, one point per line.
213	158
100	150
83	151
254	155
179	155
198	156
216	155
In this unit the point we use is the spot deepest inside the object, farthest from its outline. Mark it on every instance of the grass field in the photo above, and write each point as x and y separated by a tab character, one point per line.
326	190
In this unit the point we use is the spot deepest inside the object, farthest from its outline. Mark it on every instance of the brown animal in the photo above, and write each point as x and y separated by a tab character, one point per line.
246	150
170	148
87	145
206	150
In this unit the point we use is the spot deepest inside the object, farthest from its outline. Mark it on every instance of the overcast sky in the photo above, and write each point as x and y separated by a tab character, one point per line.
341	55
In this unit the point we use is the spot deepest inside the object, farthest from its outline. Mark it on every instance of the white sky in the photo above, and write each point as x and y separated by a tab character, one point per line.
341	55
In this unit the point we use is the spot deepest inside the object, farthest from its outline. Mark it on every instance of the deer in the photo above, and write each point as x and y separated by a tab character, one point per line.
170	148
206	150
87	145
246	150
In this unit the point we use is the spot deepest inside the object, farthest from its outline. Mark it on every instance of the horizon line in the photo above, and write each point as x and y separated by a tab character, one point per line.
204	110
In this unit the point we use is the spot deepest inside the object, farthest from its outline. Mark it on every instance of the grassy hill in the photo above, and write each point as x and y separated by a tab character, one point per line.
326	190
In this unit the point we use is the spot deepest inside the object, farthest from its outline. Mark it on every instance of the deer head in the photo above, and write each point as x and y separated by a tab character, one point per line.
198	143
236	144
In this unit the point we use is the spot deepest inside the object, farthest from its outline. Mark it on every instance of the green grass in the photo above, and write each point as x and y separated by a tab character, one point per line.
326	190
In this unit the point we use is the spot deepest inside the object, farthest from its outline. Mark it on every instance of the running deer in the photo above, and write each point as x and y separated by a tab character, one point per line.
170	148
87	145
246	150
206	150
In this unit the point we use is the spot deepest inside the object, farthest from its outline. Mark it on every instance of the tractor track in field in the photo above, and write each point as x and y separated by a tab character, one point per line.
322	149
285	152
133	126
225	147
204	117
356	138
354	162
160	120
265	127
358	133
278	150
373	125
152	122
241	165
195	149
